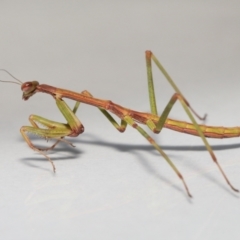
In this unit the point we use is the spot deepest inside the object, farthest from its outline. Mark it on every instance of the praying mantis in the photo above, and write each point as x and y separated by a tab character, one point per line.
155	122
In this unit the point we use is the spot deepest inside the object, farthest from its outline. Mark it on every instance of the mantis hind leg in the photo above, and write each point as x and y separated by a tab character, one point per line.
151	92
186	106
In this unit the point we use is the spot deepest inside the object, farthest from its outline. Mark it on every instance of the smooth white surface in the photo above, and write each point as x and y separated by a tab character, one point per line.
112	185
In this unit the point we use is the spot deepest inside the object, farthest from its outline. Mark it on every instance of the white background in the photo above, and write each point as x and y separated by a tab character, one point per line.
112	185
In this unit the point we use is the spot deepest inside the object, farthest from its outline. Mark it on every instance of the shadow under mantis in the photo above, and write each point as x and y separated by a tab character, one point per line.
135	149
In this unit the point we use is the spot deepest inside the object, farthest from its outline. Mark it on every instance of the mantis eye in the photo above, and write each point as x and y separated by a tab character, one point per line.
26	86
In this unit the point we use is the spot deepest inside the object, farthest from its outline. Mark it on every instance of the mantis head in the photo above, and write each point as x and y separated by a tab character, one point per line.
29	88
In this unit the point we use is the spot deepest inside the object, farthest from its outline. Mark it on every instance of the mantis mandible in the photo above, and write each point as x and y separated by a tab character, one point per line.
155	122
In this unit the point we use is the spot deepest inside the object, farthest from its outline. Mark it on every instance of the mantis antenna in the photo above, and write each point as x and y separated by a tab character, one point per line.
19	82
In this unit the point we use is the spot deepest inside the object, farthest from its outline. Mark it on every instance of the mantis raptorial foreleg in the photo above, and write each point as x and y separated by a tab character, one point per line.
48	124
177	96
54	129
51	125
